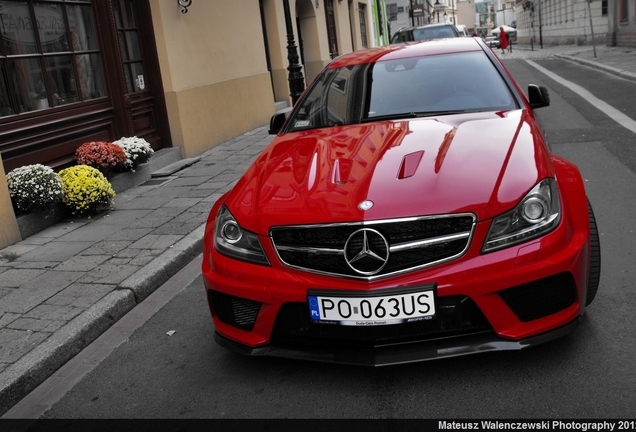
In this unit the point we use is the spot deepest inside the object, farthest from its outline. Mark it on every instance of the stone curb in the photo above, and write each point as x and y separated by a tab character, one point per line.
29	372
150	277
609	69
34	368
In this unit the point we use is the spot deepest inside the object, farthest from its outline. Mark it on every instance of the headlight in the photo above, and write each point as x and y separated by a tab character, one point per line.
538	213
232	240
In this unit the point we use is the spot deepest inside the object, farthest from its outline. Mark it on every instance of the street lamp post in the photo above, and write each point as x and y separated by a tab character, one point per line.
529	6
296	79
540	31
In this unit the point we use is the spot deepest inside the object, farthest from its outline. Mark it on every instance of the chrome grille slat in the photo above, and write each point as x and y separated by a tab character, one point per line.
413	243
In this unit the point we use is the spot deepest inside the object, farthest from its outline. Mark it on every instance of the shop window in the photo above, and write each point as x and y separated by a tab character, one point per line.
49	55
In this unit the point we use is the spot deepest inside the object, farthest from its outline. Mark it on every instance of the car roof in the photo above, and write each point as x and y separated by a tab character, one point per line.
407	49
426	25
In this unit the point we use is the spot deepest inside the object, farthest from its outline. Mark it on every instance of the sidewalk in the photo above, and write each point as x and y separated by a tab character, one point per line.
64	286
620	61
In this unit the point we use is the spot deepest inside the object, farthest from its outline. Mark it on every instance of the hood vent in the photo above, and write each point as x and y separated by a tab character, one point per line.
409	164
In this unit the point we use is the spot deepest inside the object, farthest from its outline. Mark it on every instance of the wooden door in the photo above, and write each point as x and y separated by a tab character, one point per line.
142	90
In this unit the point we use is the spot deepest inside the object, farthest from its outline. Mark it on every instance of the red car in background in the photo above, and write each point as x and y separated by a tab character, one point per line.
408	209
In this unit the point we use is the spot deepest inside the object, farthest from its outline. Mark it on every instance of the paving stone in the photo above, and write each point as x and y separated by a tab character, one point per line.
4	291
18	249
212	199
8	318
17	277
189	181
107	247
156	241
123	218
36	265
35	241
182	202
118	261
92	232
61	228
129	253
214	185
80	295
145	202
56	251
53	312
201	207
175	228
142	259
131	234
170	212
197	193
37	291
82	263
36	325
152	222
14	344
209	169
109	274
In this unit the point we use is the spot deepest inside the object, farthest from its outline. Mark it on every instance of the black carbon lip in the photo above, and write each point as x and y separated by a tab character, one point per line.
387	355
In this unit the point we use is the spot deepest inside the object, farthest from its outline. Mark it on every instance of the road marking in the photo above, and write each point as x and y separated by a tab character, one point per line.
611	112
43	397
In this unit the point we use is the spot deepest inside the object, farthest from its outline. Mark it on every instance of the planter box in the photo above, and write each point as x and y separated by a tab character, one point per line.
33	223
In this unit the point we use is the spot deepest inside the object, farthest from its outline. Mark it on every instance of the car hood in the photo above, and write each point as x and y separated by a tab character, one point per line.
480	163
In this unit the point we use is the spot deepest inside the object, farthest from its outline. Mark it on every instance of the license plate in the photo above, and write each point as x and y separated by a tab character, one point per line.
364	310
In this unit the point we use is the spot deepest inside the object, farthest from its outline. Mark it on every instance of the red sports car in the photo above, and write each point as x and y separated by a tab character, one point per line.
408	209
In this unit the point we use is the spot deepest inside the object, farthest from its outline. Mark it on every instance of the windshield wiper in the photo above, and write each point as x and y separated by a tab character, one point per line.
411	114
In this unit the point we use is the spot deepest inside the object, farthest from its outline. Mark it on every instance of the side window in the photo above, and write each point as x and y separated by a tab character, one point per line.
335	99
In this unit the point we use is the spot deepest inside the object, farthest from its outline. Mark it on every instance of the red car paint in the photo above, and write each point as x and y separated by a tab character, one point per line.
482	163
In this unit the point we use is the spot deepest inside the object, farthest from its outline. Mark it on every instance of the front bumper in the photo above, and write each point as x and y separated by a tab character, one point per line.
397	354
523	295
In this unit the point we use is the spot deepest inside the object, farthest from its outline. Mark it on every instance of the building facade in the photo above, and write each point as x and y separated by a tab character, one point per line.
622	23
186	73
557	22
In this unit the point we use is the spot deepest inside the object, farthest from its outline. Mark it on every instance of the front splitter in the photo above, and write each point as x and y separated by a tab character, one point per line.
394	354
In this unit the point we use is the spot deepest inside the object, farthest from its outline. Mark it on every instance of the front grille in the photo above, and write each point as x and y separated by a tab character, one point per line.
235	311
541	298
456	315
393	246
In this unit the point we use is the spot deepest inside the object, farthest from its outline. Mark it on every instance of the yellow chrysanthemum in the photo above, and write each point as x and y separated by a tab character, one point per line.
86	189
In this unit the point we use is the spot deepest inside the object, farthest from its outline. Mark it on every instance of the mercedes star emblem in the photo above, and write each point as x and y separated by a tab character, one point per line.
366	251
365	205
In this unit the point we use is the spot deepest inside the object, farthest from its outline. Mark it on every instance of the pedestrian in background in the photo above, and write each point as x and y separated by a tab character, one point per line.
503	40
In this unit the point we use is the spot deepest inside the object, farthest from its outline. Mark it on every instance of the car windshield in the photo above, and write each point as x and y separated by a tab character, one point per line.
432	33
403	88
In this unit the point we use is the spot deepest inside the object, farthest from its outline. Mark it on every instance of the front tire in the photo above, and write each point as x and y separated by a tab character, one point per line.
594	273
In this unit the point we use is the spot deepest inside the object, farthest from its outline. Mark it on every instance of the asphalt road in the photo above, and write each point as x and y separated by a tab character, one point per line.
588	374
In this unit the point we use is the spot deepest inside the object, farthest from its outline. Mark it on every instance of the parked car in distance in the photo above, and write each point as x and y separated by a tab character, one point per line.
408	209
426	32
463	30
493	41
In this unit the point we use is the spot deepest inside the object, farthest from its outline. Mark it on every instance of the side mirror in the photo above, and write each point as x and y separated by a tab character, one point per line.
538	96
276	123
